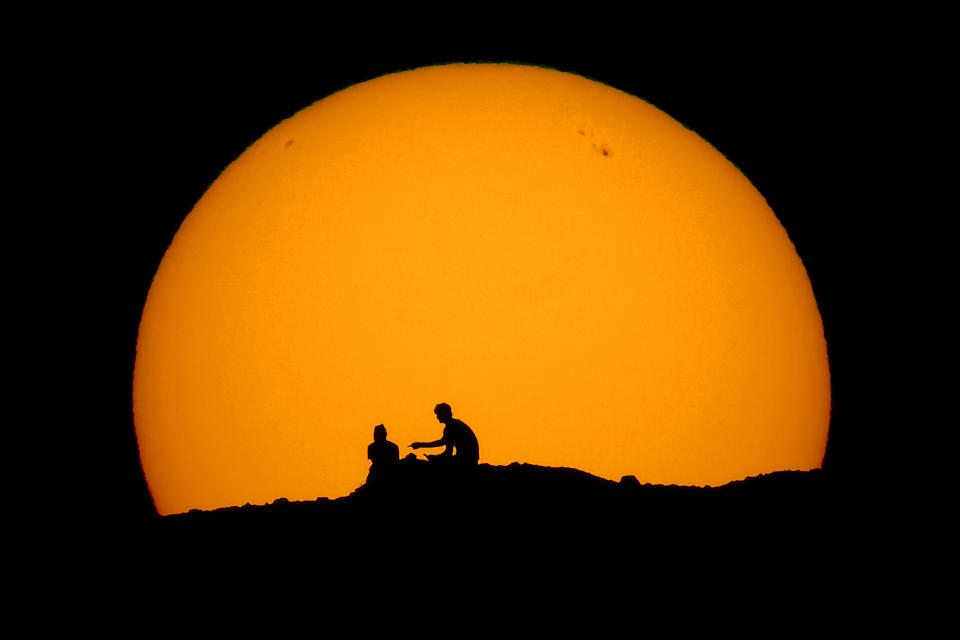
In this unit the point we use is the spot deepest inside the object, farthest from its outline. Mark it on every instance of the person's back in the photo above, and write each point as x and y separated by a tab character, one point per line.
464	441
383	454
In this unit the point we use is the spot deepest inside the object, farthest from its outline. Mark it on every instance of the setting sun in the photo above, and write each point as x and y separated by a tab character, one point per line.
585	281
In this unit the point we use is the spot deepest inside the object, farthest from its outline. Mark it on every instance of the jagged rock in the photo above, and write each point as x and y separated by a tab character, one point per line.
629	481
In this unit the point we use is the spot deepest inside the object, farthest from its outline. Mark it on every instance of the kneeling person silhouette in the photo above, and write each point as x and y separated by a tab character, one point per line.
462	449
383	454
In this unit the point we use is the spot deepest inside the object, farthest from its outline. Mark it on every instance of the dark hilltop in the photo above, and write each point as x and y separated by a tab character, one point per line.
531	493
546	509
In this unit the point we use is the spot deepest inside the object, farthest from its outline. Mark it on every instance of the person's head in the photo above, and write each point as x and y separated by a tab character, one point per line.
443	411
379	433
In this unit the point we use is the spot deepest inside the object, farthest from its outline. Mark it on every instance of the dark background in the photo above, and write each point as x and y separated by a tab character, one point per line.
158	118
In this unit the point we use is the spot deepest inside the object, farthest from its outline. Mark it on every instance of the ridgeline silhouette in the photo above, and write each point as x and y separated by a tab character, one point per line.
450	502
418	495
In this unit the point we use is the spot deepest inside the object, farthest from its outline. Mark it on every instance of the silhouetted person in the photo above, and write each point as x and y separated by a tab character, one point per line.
462	448
383	454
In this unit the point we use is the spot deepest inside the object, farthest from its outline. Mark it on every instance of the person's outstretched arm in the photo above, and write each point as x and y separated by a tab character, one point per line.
427	445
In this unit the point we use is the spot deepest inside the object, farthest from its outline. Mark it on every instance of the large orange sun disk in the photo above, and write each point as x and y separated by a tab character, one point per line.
587	283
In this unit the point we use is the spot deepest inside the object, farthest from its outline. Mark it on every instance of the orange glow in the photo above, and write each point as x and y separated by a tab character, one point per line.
586	282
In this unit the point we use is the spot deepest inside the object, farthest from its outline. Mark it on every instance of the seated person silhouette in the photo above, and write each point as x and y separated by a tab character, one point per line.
462	450
383	454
